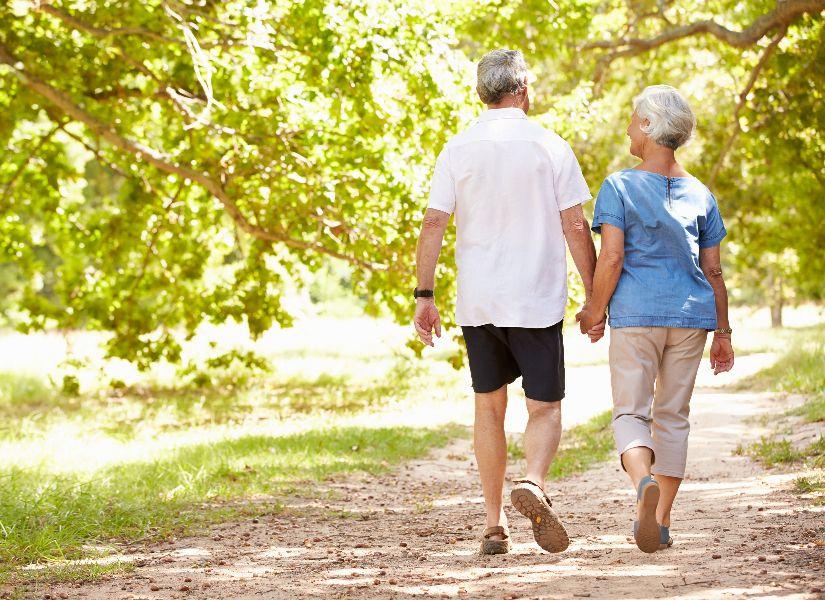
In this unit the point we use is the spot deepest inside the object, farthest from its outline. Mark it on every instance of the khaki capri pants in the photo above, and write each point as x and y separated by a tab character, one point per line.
652	373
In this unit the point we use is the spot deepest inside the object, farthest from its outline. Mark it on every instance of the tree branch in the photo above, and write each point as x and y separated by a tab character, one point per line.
102	159
165	164
743	98
102	33
784	13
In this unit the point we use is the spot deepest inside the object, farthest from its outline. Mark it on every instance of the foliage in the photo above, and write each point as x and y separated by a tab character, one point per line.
173	162
231	369
169	163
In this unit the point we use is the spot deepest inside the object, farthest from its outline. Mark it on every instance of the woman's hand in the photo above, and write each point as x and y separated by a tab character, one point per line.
721	354
596	332
588	320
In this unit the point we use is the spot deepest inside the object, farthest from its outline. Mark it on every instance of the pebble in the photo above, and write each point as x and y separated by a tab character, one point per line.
717	556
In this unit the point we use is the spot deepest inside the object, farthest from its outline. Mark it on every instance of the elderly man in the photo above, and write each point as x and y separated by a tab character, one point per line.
516	190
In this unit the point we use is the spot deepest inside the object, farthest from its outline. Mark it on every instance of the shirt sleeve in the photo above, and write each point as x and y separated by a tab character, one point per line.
571	188
609	207
442	189
714	229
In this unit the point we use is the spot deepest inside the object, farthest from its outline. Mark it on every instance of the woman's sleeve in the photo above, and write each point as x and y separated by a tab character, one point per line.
609	208
713	230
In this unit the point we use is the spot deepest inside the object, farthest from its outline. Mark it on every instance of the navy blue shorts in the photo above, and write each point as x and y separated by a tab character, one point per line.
498	355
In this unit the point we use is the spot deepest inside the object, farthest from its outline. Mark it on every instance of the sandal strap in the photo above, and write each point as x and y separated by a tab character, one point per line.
497	530
533	483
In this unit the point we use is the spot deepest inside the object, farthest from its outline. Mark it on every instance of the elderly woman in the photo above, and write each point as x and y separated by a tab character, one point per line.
660	271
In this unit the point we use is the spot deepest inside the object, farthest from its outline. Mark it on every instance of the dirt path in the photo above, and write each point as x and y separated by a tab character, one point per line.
739	532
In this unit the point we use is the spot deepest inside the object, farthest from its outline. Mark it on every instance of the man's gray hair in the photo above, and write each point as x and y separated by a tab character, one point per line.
671	119
501	72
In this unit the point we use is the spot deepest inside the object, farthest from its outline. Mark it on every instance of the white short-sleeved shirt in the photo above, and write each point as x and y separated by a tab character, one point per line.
506	179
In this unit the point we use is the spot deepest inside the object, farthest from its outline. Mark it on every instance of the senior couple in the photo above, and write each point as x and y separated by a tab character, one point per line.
517	192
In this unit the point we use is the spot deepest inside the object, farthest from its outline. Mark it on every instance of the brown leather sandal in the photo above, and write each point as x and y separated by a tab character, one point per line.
531	501
489	546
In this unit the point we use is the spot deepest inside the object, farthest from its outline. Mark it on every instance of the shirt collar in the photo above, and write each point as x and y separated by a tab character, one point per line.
491	114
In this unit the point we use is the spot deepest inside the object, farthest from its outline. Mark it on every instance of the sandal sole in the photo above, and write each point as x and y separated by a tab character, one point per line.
548	531
648	538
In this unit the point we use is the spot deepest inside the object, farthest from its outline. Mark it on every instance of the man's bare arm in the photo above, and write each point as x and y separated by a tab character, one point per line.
577	233
430	239
429	246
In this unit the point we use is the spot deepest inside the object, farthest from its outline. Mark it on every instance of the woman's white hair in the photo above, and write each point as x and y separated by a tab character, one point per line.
671	120
501	72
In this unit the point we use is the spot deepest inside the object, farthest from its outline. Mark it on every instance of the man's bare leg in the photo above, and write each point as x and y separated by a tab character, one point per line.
491	452
541	438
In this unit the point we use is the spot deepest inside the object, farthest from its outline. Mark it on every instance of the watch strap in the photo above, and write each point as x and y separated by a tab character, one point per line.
423	293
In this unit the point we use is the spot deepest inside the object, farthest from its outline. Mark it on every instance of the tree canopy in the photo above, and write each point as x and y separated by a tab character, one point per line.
172	162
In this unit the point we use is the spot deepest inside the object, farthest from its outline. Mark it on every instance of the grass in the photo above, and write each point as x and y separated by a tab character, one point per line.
771	452
174	450
21	393
48	516
581	447
813	409
62	573
812	485
800	370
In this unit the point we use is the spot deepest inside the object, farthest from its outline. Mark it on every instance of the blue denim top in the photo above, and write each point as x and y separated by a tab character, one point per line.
666	220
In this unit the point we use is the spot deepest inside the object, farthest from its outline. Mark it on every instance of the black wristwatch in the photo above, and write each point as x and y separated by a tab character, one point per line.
422	293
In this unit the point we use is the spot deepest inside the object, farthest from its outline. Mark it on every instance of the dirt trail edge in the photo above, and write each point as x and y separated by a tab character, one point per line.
739	532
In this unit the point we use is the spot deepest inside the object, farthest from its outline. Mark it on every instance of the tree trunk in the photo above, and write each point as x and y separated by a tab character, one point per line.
776	313
777	302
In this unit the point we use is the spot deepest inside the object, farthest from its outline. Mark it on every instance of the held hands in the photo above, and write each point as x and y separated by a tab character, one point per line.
721	354
591	323
426	320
